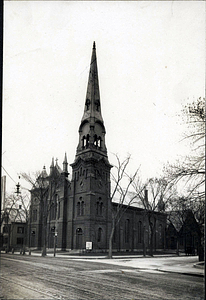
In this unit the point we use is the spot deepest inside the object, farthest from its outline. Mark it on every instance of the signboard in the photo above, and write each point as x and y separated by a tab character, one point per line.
88	245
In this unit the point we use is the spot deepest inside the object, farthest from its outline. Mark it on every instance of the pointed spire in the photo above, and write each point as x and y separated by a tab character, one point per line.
52	166
65	164
92	104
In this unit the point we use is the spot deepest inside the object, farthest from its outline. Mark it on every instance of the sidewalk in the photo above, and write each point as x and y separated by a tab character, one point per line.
187	265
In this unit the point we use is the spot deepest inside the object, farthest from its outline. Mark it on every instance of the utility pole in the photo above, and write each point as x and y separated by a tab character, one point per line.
56	227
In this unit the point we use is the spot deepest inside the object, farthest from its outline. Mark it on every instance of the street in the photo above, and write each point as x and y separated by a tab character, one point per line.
30	277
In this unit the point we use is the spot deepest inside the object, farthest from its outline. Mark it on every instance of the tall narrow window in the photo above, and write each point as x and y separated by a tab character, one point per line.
140	232
95	140
99	238
82	208
97	208
99	142
127	231
87	140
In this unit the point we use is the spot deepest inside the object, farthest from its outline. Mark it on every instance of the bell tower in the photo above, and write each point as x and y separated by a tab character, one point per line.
89	209
92	130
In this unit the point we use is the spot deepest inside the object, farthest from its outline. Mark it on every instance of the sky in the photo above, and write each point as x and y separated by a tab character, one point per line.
151	62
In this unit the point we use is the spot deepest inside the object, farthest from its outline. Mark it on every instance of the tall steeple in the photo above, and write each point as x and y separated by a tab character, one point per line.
92	130
92	104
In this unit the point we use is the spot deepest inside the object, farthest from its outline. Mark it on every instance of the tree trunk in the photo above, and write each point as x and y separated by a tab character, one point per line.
151	240
110	240
44	237
177	246
144	243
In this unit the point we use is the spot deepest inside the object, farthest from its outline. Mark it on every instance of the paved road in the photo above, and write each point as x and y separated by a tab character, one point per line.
29	277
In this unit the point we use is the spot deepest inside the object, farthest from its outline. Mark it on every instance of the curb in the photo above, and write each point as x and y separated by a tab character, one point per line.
183	273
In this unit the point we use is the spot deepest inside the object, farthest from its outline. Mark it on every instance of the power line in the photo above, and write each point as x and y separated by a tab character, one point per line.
8	174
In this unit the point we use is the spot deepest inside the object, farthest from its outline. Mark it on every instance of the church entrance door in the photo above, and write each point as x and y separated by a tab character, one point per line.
79	238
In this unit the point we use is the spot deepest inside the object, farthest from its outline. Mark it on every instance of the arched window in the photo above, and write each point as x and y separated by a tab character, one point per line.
95	141
79	238
99	236
87	141
83	142
127	229
139	232
99	142
97	208
82	208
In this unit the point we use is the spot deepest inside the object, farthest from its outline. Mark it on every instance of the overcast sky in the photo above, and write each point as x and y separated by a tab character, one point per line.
151	61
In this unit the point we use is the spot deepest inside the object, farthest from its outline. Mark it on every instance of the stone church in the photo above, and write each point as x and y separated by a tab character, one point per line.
78	211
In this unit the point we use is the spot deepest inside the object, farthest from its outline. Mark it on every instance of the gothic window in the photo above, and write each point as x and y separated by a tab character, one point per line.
83	142
127	223
80	207
99	142
87	140
99	237
95	141
140	232
97	208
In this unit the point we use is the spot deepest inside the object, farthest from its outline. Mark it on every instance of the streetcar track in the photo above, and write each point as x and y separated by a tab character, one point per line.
29	287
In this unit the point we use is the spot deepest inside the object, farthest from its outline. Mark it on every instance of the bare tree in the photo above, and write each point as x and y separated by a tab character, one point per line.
189	172
160	194
43	191
122	183
191	169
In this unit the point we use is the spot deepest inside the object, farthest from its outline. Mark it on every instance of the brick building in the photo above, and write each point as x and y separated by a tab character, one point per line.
79	210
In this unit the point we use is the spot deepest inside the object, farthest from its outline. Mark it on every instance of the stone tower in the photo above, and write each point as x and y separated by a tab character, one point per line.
89	212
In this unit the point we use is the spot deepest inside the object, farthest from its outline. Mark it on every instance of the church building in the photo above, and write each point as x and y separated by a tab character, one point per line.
78	211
